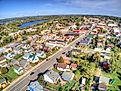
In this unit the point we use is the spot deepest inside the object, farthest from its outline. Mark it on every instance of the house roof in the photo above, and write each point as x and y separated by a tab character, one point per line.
13	44
2	80
102	87
65	57
52	75
57	40
17	67
62	65
2	50
104	80
2	58
84	41
22	63
71	33
73	65
83	80
67	76
76	30
35	86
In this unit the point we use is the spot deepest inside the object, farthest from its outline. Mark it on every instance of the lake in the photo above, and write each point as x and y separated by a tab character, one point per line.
27	24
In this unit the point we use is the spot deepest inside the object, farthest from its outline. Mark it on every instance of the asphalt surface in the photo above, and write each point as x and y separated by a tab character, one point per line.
21	83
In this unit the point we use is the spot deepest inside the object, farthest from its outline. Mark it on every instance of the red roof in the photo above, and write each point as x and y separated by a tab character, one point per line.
76	30
62	65
2	58
73	65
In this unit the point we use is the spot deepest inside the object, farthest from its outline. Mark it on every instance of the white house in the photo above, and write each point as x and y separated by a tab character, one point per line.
112	25
41	54
33	58
10	55
18	69
73	26
116	30
51	76
35	86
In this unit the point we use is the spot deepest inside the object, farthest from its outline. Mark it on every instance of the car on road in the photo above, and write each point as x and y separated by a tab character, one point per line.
31	73
47	59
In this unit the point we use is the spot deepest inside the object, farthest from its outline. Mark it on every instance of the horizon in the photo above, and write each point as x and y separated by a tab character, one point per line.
26	8
61	15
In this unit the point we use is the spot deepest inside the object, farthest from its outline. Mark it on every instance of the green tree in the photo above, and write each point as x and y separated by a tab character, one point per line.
4	70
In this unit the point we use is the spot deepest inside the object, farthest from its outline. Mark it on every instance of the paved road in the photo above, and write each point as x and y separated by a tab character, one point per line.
21	83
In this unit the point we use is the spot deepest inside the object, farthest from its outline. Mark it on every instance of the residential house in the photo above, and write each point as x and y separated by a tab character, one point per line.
33	58
47	49
106	53
102	87
100	43
68	76
112	25
94	31
103	83
3	83
77	31
2	59
25	46
51	76
73	26
63	67
98	50
23	63
58	41
13	62
18	69
72	34
8	49
105	65
85	41
66	59
68	37
101	35
3	62
41	54
17	50
2	50
81	31
82	81
53	44
35	86
9	55
73	66
116	30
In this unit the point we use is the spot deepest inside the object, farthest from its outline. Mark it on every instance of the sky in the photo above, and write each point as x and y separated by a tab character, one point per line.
19	8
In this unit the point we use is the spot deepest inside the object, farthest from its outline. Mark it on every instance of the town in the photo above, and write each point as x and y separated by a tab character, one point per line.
65	53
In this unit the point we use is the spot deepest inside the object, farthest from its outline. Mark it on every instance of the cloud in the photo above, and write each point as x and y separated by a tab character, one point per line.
109	6
91	3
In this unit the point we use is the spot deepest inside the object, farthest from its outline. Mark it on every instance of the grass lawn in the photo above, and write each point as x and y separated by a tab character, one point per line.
52	87
54	69
18	56
33	64
11	75
90	36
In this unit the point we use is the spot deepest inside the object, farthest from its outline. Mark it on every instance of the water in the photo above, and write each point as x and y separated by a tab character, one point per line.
8	21
27	24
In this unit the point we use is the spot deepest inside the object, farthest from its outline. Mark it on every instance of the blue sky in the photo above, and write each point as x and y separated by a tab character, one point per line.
17	8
